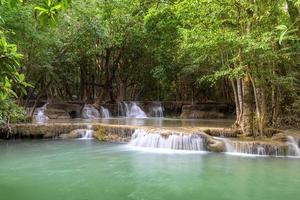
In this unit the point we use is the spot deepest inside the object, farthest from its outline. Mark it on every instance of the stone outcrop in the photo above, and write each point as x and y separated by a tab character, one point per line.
223	132
185	109
205	111
63	110
56	114
65	130
216	146
277	145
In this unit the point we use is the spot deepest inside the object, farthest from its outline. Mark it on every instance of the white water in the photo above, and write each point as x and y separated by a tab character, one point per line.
228	145
90	112
87	134
242	148
104	112
293	146
255	149
157	111
41	117
136	112
143	139
261	151
131	110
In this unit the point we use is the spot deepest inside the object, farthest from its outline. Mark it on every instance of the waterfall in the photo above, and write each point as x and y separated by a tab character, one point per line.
121	111
261	151
141	138
136	112
293	146
228	145
104	112
40	116
257	148
90	112
87	134
131	110
253	148
157	111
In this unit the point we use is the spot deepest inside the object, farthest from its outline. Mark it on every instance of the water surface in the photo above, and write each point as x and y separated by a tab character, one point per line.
90	170
157	122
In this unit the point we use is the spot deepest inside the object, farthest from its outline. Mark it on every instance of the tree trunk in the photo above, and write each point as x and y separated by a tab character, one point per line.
240	101
247	114
236	100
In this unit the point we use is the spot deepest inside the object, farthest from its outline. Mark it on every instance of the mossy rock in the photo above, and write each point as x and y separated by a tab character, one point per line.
100	134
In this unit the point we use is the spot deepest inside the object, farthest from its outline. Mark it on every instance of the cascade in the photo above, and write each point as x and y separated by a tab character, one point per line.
90	112
136	112
253	148
131	110
141	138
104	112
293	146
261	151
40	116
157	111
121	110
87	134
228	145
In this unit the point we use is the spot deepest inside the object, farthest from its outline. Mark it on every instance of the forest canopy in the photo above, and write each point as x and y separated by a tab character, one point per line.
240	52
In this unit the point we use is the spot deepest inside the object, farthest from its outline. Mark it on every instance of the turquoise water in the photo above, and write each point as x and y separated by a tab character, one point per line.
157	122
90	170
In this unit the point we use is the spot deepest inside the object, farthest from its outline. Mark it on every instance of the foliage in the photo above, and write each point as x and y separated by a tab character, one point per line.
99	51
11	112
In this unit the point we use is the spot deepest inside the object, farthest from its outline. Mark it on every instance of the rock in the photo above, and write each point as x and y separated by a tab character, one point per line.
198	114
280	137
77	133
72	109
205	111
216	146
100	134
56	113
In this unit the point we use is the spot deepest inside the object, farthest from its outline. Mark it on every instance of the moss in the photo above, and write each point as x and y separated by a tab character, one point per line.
100	134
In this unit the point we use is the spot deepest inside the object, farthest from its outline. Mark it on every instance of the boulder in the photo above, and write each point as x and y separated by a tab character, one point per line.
216	146
77	133
56	114
189	112
72	109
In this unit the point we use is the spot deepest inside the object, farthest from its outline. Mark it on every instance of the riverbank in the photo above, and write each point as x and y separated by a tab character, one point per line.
215	139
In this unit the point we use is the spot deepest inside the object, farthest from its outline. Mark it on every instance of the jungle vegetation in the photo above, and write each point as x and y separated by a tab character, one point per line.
244	52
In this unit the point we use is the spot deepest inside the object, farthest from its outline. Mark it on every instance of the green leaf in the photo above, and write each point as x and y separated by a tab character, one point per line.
281	27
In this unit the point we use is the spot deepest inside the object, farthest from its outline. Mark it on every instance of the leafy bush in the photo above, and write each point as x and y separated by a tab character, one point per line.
10	112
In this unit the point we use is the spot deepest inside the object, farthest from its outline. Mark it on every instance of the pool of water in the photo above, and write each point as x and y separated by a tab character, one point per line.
90	170
158	122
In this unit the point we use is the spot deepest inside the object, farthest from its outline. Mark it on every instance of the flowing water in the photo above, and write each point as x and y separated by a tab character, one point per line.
86	134
40	117
156	122
291	148
157	111
131	110
90	170
90	112
104	112
294	146
141	138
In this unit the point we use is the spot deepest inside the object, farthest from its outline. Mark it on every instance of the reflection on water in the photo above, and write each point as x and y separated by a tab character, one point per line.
87	169
158	122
